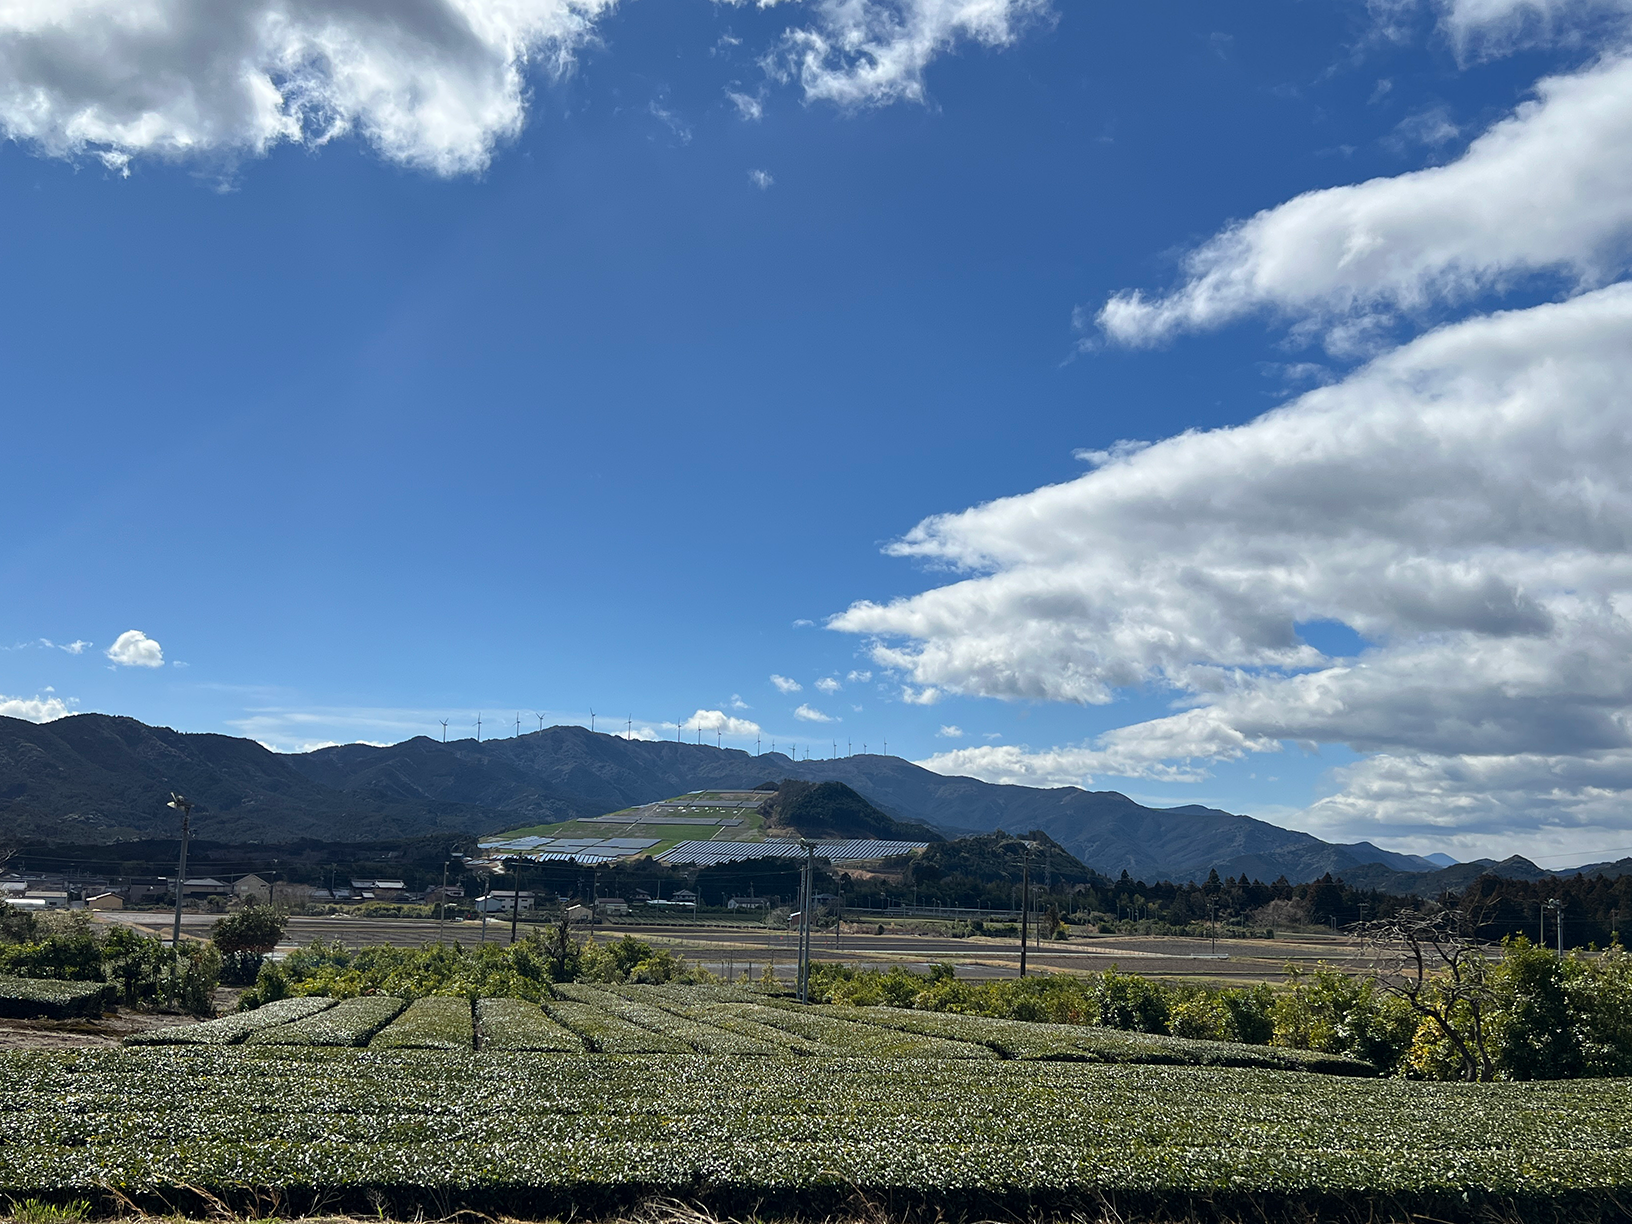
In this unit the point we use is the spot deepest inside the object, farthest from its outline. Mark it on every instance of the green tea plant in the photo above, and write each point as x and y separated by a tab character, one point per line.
432	1023
231	1029
350	1022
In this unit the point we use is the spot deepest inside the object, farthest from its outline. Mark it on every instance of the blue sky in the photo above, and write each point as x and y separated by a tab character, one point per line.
607	378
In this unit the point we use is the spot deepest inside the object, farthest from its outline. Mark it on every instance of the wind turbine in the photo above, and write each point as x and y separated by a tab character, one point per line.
719	737
478	726
540	718
444	723
592	719
629	729
518	724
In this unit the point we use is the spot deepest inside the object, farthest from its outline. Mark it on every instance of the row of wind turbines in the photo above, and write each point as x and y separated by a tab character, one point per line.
629	733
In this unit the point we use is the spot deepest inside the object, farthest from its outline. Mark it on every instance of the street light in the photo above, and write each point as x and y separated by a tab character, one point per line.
186	809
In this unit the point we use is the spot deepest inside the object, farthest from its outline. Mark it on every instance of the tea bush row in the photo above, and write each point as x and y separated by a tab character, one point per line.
229	1030
344	1125
429	1024
696	1034
24	998
606	1033
515	1024
350	1022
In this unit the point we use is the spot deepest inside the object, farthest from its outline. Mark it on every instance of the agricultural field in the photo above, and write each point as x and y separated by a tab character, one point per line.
605	1098
704	816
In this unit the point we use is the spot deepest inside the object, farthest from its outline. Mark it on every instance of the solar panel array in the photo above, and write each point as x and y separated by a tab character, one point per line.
706	854
560	849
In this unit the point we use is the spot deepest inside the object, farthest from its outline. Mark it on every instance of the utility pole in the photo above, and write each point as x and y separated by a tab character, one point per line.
515	904
442	913
1558	921
1025	905
809	848
186	809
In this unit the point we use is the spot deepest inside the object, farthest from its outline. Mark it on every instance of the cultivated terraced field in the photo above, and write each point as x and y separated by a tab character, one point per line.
605	1098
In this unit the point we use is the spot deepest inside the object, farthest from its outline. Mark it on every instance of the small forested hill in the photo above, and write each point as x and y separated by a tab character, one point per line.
1000	858
832	809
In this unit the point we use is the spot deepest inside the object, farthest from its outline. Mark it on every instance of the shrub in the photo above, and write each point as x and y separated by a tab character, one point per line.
229	1030
1324	1009
244	938
47	998
435	1023
350	1022
514	1024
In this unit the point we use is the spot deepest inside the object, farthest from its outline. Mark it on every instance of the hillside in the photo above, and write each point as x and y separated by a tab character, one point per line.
832	809
93	777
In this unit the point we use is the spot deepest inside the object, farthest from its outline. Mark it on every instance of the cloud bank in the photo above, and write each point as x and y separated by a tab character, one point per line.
1548	190
436	85
34	709
1464	503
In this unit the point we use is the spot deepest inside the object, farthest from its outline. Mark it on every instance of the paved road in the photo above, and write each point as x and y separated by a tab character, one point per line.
731	950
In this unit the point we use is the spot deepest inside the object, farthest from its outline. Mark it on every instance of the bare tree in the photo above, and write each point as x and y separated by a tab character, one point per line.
1432	959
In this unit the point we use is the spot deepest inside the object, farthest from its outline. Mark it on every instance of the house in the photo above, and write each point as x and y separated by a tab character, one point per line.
252	888
378	890
105	901
502	901
206	886
686	897
47	898
747	903
612	905
579	913
640	895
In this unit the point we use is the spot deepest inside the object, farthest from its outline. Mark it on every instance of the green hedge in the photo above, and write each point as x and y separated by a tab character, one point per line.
429	1024
350	1022
696	1034
515	1024
606	1033
229	1030
383	1134
44	998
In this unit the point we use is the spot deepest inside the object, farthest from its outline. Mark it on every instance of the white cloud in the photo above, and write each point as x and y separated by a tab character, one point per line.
873	52
926	696
950	731
34	709
433	84
1546	190
133	648
829	685
1482	29
75	647
1463	503
859	677
761	179
750	108
737	703
719	720
784	685
810	714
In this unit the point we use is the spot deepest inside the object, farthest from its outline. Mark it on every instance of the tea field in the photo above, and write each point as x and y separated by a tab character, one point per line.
746	1107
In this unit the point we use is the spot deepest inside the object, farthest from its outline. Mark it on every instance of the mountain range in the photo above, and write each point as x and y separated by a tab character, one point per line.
101	777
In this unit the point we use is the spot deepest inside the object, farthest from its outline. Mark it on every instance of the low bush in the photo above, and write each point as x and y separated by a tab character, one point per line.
606	1033
229	1030
701	1036
350	1022
435	1023
44	998
514	1024
838	1035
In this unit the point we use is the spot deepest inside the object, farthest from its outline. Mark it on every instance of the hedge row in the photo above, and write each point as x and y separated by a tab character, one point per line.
350	1022
515	1024
700	1036
606	1033
229	1030
433	1023
994	1138
1077	1043
44	998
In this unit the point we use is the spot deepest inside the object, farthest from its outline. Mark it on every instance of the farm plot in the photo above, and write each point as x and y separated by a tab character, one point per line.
365	1130
515	1025
229	1030
431	1023
22	998
350	1022
696	1033
606	1032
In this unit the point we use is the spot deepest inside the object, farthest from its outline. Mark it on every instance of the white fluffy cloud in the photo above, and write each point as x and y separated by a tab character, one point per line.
811	714
1485	28
784	685
719	720
34	709
1546	190
829	685
873	52
950	731
432	84
429	83
1464	503
133	648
